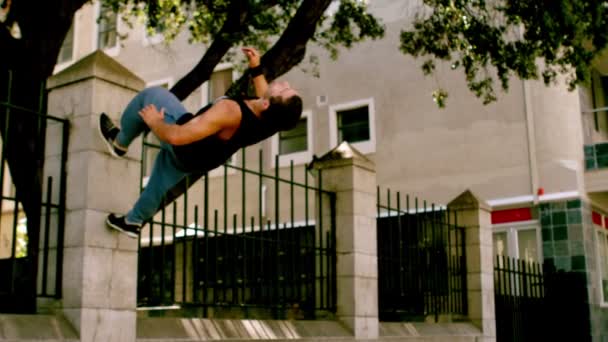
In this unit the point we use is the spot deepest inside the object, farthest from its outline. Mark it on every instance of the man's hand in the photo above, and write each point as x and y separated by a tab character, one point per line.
151	115
252	55
259	81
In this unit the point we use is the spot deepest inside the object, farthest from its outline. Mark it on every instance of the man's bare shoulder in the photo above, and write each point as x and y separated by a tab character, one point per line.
225	113
229	108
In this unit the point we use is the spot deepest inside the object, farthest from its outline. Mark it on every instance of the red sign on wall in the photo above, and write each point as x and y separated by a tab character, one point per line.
511	215
596	218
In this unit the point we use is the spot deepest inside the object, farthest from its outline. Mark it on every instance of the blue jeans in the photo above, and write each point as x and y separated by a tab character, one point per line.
165	172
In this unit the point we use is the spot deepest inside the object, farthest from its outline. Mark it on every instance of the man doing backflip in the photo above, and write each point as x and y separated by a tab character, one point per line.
199	142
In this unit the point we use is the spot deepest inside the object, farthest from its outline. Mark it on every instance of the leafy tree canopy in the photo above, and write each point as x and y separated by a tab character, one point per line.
280	26
491	40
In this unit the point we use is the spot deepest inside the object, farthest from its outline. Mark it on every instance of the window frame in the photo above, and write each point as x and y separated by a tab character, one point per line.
599	230
512	228
366	147
300	157
206	89
71	59
62	65
598	83
113	50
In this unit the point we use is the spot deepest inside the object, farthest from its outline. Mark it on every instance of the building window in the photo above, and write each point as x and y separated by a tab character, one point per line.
296	144
599	97
66	54
219	82
520	241
107	34
602	239
294	140
353	125
353	122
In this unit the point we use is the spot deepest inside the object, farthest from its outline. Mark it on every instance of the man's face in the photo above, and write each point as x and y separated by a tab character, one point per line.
280	89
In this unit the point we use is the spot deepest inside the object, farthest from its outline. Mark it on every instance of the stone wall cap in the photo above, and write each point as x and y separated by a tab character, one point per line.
342	155
468	200
97	65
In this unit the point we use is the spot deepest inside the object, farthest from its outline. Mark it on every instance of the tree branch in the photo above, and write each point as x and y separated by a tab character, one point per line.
290	48
234	24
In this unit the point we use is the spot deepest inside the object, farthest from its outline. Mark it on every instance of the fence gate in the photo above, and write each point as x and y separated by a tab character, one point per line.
519	297
31	227
421	260
536	303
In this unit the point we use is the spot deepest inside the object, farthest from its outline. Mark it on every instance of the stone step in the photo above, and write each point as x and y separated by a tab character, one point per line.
39	328
195	329
49	328
345	339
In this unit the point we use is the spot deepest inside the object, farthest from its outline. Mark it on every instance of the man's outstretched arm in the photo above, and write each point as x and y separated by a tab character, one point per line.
223	115
259	81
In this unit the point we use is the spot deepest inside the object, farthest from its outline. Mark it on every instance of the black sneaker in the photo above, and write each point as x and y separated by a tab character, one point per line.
108	132
119	223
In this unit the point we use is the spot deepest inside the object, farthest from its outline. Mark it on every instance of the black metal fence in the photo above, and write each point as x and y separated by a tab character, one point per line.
421	260
31	229
519	288
533	301
242	243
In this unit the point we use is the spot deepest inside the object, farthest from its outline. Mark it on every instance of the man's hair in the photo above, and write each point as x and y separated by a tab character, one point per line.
282	114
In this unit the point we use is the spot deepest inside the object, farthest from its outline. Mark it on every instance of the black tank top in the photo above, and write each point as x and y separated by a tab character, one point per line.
210	152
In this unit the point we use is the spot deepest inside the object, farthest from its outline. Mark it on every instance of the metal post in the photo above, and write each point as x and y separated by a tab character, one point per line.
65	133
47	232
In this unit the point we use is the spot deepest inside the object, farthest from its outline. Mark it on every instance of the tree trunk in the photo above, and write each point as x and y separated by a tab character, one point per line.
23	150
25	64
290	49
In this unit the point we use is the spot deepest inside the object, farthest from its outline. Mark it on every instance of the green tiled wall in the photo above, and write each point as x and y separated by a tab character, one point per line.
562	234
568	244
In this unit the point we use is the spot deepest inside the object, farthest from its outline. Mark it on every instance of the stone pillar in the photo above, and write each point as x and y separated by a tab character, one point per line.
475	216
352	177
99	265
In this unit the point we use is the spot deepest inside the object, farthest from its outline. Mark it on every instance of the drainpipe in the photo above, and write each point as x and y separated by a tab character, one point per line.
534	183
